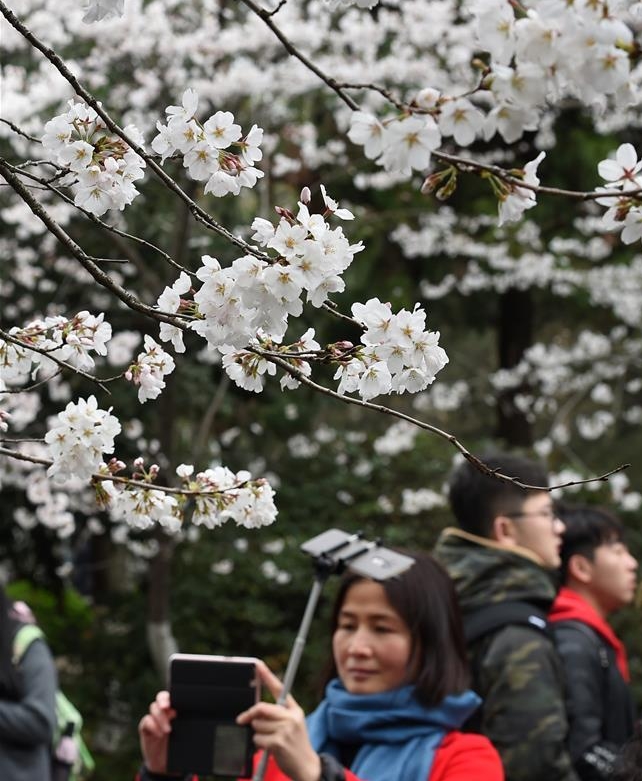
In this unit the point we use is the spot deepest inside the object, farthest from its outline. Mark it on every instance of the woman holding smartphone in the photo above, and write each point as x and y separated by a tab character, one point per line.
394	704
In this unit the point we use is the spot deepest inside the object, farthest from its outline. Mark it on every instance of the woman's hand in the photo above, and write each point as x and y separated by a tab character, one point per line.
153	732
281	730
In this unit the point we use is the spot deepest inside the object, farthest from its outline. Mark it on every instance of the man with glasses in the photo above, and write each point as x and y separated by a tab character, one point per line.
599	577
503	559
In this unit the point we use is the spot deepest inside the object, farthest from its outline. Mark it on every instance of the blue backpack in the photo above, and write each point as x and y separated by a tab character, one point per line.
70	757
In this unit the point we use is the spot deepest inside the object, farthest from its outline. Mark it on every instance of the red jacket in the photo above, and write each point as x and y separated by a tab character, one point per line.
461	757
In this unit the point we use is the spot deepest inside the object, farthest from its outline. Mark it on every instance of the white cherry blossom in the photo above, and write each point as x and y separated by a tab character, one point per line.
409	144
78	438
519	199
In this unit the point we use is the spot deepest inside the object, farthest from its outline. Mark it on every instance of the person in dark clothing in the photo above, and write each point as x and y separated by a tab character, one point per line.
27	701
599	577
503	559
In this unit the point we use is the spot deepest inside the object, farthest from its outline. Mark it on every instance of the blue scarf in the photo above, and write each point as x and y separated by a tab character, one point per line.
397	735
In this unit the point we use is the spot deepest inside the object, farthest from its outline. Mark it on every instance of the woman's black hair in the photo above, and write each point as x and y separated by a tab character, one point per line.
9	677
424	597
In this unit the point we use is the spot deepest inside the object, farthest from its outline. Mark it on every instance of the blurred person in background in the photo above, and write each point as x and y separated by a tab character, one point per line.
503	560
27	700
599	577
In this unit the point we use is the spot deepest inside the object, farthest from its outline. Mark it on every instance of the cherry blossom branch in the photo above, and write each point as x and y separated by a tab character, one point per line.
63	364
278	8
106	226
199	214
88	262
398	104
331	307
461	164
474	460
21	441
17	130
291	49
35	385
102	478
467	166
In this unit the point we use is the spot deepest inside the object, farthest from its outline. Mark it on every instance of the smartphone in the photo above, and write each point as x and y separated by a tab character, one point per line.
363	557
208	693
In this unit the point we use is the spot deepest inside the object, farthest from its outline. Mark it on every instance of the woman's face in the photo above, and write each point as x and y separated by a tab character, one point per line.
372	645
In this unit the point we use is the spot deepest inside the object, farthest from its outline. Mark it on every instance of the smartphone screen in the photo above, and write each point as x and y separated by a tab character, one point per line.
208	693
230	750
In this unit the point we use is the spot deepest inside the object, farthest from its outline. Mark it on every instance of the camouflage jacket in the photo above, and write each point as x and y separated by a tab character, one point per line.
516	669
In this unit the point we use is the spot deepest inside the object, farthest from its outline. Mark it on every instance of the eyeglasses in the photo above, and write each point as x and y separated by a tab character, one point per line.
549	513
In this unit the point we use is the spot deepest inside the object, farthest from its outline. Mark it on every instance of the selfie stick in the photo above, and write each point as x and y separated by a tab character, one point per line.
333	551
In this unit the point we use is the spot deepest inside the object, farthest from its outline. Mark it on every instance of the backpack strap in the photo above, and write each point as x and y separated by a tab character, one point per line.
583	629
23	638
483	620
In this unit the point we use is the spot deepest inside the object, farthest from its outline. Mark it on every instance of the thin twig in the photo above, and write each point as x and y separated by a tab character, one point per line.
102	478
208	419
98	221
376	88
466	166
291	49
20	132
20	441
86	261
34	386
48	353
474	460
278	8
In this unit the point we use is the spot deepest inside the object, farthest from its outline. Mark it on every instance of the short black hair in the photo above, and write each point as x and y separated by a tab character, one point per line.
425	598
477	499
587	527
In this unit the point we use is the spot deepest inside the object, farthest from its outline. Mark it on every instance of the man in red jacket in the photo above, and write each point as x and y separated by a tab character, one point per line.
599	577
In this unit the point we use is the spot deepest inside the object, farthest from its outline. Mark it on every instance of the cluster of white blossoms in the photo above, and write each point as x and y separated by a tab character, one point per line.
215	152
225	495
149	369
622	193
401	144
253	298
103	166
96	10
398	355
78	438
249	370
170	302
137	506
243	311
538	53
69	340
553	49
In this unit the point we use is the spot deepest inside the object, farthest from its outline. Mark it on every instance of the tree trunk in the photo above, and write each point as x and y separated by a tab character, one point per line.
514	336
160	640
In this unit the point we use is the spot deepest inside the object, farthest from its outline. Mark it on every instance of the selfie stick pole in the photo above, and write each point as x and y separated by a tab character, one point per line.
333	551
323	571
